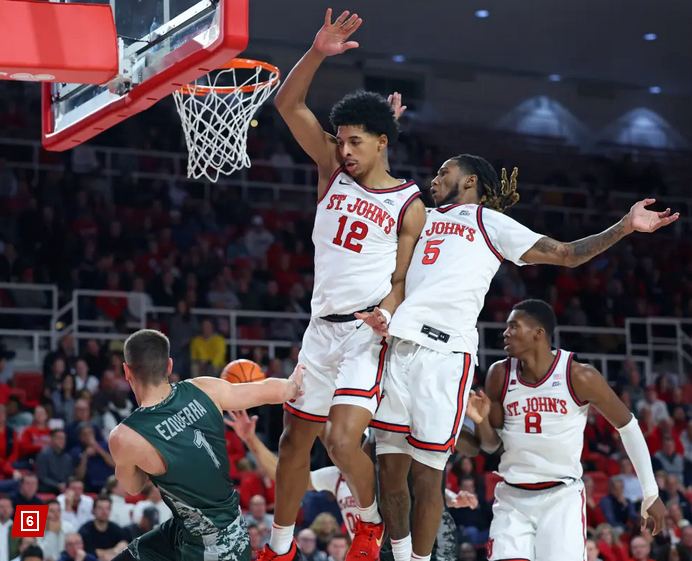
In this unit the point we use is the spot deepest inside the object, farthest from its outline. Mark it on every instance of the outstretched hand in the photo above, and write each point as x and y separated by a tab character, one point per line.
642	220
376	320
478	407
243	425
657	511
464	499
395	101
296	383
332	39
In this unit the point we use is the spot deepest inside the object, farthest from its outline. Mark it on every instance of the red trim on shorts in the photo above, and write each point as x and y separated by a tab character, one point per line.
329	185
479	218
579	402
402	212
547	374
305	416
505	386
390	427
451	442
583	518
536	486
515	559
375	390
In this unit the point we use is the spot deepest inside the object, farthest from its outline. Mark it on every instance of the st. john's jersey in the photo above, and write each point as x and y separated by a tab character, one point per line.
460	250
330	479
543	433
356	235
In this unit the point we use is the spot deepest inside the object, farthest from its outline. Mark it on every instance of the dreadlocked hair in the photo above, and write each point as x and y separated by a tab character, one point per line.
493	192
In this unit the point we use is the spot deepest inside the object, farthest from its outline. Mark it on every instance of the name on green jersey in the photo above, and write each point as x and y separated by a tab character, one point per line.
187	416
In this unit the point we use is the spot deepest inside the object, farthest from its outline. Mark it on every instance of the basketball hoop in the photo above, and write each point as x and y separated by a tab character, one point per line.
216	116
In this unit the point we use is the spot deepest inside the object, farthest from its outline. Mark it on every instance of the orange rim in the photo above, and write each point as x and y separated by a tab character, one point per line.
245	63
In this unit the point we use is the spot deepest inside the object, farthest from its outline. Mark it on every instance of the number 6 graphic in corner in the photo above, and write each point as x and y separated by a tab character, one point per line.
201	442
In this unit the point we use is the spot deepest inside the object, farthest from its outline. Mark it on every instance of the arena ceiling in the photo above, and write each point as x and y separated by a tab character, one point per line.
597	40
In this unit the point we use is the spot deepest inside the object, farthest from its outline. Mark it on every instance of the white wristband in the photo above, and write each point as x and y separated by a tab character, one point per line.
386	315
638	452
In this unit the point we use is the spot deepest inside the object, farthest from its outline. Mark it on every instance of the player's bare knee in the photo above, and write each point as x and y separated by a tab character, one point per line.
392	470
343	446
426	482
297	439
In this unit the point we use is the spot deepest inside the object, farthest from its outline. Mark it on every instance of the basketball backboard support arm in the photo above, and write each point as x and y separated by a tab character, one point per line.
152	66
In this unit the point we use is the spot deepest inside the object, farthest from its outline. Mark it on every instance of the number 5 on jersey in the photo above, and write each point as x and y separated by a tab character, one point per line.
432	251
357	233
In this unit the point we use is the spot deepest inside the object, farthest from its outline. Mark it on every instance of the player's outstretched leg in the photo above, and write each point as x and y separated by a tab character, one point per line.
395	501
292	478
344	431
427	508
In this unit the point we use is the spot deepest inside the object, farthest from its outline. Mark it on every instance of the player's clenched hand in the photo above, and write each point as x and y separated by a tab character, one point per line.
464	499
332	38
395	101
478	407
639	219
376	320
243	425
657	511
295	383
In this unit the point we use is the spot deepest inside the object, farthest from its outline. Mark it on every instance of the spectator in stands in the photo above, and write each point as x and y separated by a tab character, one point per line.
77	508
25	543
94	358
149	521
102	537
608	546
17	417
467	552
640	549
668	460
282	162
121	510
6	367
31	553
9	450
255	541
64	399
92	460
221	297
74	550
686	439
181	330
53	540
35	437
82	414
65	351
207	351
307	542
6	510
659	410
28	487
83	379
594	515
54	465
257	514
258	239
618	511
685	546
633	490
337	547
591	551
672	492
475	522
324	526
678	400
153	499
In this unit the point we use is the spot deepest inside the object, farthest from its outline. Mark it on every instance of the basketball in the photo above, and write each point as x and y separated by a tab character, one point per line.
242	371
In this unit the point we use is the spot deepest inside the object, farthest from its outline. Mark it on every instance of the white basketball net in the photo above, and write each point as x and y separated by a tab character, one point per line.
216	124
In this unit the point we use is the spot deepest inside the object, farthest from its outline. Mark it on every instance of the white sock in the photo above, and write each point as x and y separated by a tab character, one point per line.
415	557
281	538
402	549
370	514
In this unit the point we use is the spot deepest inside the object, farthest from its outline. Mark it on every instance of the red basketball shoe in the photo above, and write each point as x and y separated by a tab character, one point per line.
367	542
268	555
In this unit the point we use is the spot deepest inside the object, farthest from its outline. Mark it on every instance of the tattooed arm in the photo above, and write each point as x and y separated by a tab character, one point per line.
547	251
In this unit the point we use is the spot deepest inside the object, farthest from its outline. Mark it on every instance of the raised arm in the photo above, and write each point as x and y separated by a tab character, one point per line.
547	251
331	40
412	226
590	387
234	397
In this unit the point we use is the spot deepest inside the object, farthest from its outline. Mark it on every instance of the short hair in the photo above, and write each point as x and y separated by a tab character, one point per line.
53	501
28	474
147	353
541	312
73	479
5	496
102	499
32	551
366	109
493	192
56	431
339	537
111	484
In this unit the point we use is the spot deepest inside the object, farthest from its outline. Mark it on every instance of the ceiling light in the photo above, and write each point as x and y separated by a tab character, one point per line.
482	13
554	77
650	37
654	90
399	58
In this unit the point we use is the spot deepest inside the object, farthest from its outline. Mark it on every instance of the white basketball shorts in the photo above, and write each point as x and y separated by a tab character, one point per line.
543	525
344	364
423	403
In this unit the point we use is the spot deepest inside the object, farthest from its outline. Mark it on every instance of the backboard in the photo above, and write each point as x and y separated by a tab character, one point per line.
162	45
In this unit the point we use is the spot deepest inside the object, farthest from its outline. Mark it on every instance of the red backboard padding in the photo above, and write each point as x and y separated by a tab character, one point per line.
46	41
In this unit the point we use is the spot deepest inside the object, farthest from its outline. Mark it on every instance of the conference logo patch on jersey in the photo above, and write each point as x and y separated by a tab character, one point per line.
464	213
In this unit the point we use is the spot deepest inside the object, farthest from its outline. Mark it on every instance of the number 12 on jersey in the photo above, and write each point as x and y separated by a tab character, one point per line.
357	232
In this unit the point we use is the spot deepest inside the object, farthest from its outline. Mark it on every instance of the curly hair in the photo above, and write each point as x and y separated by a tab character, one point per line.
367	109
493	192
